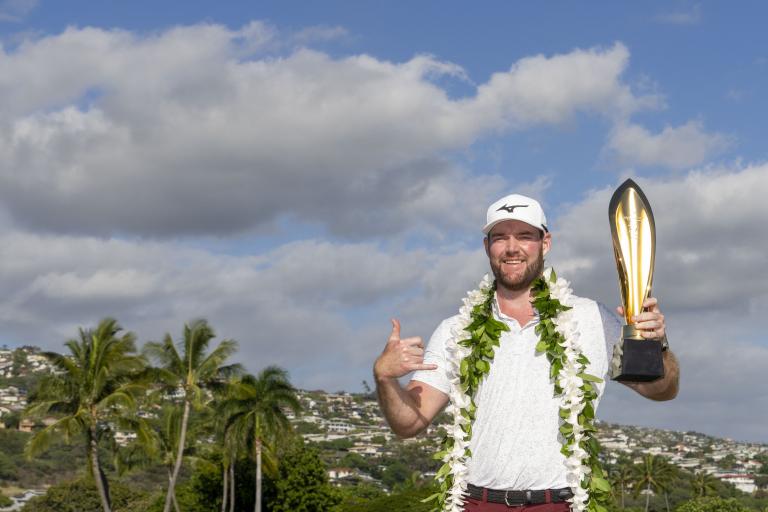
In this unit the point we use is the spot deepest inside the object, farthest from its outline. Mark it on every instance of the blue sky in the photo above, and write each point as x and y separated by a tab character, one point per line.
299	173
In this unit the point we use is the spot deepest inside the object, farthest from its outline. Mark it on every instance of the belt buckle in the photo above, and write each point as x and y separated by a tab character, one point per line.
510	505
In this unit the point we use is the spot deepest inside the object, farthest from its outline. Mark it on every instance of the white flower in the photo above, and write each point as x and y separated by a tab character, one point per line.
571	399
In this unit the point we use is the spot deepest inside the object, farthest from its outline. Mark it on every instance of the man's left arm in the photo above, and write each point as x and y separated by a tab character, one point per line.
651	325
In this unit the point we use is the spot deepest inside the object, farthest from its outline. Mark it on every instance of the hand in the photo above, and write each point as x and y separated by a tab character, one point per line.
400	356
650	322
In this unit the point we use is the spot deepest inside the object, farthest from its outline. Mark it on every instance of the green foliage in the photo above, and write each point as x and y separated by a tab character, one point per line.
194	371
411	500
303	427
194	368
395	473
712	504
302	484
5	501
12	420
484	331
704	484
255	418
81	496
551	342
355	498
7	468
342	444
60	462
94	390
95	386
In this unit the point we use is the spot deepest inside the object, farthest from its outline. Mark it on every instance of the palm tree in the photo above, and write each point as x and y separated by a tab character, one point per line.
192	371
703	483
94	388
230	449
255	414
653	474
621	478
160	448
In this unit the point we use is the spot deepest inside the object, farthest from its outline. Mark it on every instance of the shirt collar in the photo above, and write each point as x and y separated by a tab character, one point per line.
501	316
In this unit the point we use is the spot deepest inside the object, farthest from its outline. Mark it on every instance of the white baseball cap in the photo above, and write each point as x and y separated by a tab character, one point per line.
516	207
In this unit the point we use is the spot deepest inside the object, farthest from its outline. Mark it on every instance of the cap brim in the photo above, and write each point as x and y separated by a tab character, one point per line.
488	227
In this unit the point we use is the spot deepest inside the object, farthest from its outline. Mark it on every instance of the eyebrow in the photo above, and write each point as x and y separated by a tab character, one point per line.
534	232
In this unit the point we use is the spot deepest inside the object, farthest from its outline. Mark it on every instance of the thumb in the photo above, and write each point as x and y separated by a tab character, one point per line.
395	329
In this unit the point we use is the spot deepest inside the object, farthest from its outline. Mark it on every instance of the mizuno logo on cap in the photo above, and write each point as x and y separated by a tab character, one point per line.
510	209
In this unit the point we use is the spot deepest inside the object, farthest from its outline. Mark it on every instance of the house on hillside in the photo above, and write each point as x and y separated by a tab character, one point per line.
26	425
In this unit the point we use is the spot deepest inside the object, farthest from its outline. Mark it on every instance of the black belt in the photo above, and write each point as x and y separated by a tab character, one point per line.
519	498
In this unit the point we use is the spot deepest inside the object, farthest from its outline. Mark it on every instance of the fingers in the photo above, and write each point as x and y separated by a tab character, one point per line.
651	323
651	304
413	351
424	367
414	341
395	335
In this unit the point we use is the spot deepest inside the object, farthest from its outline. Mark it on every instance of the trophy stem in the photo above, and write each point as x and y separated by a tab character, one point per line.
630	332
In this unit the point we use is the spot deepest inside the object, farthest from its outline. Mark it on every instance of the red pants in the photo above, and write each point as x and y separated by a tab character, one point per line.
471	505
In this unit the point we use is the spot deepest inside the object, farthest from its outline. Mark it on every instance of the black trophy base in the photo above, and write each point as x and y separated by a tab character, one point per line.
641	361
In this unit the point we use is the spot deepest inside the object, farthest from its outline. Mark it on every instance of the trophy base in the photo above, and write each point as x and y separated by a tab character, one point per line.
641	361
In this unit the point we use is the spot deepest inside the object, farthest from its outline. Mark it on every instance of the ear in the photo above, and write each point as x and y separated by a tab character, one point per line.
485	244
546	242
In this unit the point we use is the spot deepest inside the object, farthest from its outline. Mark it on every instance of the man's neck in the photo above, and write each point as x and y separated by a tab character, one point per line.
515	303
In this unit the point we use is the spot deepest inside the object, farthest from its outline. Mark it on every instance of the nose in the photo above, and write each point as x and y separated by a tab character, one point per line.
511	245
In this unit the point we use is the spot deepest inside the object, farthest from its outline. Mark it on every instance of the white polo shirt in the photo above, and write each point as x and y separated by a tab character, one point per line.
515	438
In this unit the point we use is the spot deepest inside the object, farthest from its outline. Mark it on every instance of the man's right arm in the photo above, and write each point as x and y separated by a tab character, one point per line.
411	409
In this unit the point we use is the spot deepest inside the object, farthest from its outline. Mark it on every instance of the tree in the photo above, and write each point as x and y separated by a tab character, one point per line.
94	388
255	415
160	448
79	496
653	474
303	484
703	483
191	371
712	504
620	479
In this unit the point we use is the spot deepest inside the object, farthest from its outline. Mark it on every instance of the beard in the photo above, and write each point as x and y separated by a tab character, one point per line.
519	282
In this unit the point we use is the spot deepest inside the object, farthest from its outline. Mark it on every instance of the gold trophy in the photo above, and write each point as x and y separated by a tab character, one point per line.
634	245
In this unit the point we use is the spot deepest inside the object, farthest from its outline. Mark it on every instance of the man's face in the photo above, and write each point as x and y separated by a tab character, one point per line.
516	253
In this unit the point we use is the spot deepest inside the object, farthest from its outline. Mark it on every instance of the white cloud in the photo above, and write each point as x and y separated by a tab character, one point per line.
292	306
711	244
196	130
677	147
321	309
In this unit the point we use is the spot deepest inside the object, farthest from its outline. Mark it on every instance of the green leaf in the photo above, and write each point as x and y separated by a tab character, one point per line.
444	469
590	378
601	484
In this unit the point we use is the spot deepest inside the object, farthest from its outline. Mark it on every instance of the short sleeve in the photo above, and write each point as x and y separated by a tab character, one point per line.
435	354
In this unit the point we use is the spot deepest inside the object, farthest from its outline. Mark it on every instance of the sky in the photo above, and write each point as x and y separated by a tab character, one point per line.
300	173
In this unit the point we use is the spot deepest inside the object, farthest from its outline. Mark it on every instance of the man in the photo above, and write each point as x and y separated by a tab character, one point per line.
514	444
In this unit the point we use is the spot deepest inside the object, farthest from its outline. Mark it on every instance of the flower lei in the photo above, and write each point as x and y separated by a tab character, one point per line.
469	361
